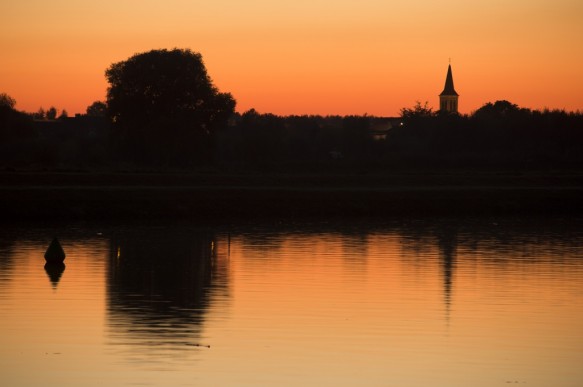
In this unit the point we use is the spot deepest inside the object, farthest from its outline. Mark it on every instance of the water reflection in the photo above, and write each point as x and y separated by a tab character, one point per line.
54	270
492	245
6	260
159	287
355	248
447	245
438	302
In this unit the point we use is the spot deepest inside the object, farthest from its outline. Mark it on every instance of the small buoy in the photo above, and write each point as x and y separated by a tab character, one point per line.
55	253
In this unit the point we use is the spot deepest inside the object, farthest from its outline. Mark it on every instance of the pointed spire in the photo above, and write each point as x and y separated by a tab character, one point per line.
448	89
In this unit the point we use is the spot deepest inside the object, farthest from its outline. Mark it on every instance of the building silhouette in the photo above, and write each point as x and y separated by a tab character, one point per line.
448	97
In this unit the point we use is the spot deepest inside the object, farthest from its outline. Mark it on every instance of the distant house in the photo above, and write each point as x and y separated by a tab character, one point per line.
380	126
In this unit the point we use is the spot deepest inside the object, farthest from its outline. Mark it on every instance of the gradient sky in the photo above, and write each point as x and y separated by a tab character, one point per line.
304	56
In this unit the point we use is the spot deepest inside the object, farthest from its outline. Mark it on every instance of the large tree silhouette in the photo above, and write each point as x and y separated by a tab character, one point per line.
165	108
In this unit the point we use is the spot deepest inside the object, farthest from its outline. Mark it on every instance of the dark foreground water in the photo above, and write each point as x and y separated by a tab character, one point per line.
445	302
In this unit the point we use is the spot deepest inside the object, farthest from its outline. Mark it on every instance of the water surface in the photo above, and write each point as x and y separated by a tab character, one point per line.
444	302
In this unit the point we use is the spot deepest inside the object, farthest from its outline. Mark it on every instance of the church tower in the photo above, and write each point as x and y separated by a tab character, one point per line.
448	97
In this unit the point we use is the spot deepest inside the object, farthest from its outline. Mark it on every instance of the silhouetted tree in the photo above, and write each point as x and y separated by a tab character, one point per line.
51	113
7	101
165	108
262	137
497	110
16	132
40	114
97	109
418	111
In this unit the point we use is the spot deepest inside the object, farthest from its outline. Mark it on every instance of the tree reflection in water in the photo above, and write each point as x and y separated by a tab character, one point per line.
159	286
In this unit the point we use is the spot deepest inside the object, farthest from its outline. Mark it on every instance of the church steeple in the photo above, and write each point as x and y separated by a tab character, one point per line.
448	97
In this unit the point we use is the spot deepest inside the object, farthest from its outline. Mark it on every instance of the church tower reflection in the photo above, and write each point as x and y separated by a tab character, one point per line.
447	244
433	247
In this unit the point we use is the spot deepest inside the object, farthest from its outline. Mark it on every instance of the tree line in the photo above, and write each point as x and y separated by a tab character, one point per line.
163	111
497	134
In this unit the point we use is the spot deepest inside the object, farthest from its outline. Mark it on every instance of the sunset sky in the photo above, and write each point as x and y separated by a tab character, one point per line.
304	56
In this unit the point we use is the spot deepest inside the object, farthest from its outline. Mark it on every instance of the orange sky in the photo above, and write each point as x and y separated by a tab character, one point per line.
304	56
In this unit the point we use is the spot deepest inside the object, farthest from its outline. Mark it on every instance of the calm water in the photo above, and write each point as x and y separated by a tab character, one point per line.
417	303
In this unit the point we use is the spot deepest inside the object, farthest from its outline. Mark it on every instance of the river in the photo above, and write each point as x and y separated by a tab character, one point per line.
409	302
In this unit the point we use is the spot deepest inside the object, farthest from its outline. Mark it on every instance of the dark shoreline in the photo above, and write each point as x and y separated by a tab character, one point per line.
75	196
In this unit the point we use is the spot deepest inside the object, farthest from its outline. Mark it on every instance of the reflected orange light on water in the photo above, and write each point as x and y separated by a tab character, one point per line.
49	329
434	308
323	310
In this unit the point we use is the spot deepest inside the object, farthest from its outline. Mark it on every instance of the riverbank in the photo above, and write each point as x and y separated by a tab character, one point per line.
223	196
